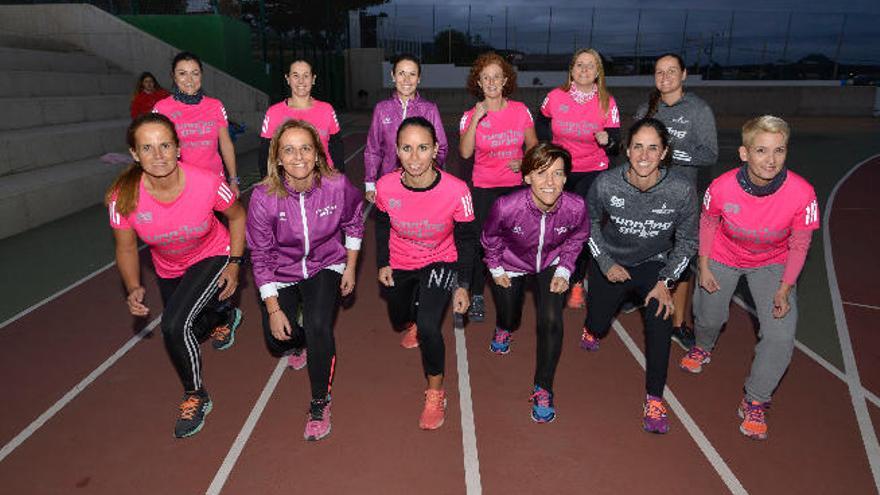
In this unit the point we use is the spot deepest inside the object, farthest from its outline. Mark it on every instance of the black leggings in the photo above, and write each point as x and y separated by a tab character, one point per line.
605	299
579	183
319	296
191	312
483	198
509	304
422	296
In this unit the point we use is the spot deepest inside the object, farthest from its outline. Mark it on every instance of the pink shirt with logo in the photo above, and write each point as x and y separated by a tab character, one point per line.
185	231
422	222
499	139
198	127
755	231
574	126
320	114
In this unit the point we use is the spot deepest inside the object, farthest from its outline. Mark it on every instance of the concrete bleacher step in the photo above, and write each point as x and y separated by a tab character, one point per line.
29	112
22	150
12	58
38	196
21	83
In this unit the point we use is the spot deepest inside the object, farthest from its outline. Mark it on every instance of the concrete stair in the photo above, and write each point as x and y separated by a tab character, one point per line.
64	108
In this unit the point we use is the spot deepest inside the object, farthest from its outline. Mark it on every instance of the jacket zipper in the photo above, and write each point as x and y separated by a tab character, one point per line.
541	243
302	212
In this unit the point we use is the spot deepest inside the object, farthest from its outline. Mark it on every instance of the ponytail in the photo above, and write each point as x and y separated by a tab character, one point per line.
124	190
653	103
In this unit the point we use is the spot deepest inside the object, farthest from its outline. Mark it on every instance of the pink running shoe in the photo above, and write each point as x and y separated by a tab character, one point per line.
588	341
318	425
298	359
410	338
654	418
434	413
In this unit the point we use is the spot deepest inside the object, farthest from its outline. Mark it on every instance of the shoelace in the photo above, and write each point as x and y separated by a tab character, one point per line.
316	411
697	354
754	413
189	407
654	409
541	397
220	333
434	401
501	336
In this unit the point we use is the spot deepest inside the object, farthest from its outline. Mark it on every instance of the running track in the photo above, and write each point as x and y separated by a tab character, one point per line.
114	435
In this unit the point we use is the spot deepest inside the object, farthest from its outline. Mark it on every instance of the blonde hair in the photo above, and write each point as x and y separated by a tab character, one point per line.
274	180
764	123
604	95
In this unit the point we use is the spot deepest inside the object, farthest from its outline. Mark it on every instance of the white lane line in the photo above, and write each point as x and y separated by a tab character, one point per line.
712	455
355	153
72	393
811	354
246	430
858	305
472	481
56	295
857	392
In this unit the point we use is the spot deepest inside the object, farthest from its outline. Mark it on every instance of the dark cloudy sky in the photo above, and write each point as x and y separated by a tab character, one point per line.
759	27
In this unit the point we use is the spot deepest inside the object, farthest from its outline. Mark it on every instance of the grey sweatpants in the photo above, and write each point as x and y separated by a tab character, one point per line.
774	349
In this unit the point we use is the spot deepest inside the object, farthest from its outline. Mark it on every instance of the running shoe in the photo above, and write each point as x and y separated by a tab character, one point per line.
694	360
500	342
654	419
298	359
193	410
223	337
410	338
683	336
318	425
577	296
754	424
477	309
589	342
434	413
542	406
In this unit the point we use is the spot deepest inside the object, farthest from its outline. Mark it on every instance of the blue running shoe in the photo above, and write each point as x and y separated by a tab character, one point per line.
542	406
223	336
500	342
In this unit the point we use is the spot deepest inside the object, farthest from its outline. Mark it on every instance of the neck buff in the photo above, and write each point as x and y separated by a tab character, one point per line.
185	98
742	176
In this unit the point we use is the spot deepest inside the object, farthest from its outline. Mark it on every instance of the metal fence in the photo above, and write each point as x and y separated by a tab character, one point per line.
720	44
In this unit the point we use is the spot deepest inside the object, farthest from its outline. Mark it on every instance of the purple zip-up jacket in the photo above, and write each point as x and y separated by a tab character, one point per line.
380	154
292	238
520	238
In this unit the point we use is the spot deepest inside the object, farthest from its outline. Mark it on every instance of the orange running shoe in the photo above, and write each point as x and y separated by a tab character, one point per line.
410	338
694	360
577	296
754	423
434	413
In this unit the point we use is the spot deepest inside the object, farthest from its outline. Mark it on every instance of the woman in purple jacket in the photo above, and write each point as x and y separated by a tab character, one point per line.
380	155
296	221
539	231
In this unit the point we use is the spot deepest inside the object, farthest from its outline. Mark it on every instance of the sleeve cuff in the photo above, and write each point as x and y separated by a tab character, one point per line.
369	186
497	271
353	243
562	272
268	290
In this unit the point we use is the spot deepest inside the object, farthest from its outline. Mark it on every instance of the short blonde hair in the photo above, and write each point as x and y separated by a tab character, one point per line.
764	123
274	180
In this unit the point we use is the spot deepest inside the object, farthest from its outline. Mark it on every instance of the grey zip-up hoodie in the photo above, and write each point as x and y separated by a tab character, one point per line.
691	125
659	224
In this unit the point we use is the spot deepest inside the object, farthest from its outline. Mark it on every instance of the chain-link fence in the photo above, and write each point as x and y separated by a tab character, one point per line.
731	44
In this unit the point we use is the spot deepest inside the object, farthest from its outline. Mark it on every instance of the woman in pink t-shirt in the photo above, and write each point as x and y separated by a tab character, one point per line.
757	222
170	206
584	120
425	242
201	121
495	132
302	106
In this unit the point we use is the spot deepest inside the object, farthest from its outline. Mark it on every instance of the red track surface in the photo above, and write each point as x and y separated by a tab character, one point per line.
115	437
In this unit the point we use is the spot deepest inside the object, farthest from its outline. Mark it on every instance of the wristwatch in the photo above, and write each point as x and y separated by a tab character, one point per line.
668	282
238	260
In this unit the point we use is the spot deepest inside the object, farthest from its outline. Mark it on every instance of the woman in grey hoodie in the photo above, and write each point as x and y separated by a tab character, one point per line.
643	234
694	142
